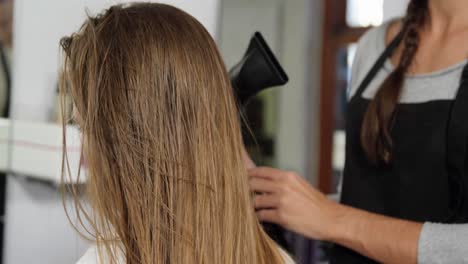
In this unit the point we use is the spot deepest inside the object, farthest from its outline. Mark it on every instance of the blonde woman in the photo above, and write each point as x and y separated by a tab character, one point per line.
162	142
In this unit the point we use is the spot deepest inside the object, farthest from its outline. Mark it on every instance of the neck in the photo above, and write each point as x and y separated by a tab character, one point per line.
447	15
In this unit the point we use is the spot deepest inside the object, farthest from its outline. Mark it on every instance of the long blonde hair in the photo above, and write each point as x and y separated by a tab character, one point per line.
162	141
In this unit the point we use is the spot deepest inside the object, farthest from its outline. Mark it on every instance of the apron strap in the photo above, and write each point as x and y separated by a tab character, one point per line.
379	63
457	143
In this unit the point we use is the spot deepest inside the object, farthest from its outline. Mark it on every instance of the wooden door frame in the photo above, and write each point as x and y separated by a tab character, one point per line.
335	34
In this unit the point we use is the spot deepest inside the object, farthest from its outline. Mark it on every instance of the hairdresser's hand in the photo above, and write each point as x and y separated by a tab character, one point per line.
288	200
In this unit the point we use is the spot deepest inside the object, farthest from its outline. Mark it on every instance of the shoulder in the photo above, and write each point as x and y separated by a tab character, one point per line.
369	47
90	257
378	37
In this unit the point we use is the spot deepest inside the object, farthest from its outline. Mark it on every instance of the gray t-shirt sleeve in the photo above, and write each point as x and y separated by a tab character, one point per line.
443	243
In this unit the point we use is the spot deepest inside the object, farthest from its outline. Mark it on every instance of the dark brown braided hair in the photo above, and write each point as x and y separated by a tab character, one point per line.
376	138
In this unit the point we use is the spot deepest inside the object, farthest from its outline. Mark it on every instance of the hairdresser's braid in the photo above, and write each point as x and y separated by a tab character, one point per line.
417	13
376	138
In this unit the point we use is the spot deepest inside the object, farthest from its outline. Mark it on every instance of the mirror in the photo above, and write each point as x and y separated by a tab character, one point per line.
6	46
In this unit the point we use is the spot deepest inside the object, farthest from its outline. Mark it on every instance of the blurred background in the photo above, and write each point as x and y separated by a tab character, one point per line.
297	127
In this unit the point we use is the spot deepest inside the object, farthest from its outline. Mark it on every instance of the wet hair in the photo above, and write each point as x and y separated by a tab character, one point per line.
161	141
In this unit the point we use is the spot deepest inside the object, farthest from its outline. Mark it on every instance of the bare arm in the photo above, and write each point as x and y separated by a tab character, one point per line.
290	201
381	238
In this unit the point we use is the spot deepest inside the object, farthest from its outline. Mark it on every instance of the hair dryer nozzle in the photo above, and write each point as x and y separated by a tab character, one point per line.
259	69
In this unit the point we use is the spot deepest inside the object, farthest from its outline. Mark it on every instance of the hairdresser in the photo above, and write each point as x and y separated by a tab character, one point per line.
405	184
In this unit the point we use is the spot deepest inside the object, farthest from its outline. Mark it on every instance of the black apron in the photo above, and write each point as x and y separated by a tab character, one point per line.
426	179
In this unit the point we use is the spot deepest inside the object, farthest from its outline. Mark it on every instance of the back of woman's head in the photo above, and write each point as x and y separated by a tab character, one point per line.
161	140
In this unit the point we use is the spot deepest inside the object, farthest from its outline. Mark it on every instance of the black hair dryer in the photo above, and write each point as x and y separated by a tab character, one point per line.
258	70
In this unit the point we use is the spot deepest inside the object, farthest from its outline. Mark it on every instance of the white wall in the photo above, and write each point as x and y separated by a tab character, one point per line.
36	229
38	27
394	8
239	20
298	129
